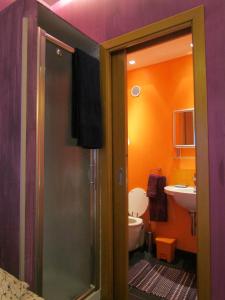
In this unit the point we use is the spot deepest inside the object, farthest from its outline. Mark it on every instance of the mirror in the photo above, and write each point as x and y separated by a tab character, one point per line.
183	128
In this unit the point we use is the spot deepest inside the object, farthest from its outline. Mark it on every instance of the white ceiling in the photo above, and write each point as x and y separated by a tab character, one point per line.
162	52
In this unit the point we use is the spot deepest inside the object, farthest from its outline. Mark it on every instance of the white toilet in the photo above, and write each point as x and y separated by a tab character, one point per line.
137	205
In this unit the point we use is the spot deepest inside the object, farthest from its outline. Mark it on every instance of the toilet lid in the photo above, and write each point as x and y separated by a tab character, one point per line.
137	202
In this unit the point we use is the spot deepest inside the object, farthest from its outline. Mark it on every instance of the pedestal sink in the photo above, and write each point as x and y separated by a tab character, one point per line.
184	196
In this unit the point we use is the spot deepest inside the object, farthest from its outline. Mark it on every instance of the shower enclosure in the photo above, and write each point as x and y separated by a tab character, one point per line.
49	220
67	227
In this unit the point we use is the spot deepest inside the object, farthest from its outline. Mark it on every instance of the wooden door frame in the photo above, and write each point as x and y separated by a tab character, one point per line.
193	19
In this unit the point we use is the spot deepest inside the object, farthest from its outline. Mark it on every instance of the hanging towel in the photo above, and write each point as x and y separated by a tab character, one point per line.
157	198
152	185
86	101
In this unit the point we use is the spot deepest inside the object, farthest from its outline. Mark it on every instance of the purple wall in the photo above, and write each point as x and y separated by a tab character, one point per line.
10	118
4	3
10	91
105	19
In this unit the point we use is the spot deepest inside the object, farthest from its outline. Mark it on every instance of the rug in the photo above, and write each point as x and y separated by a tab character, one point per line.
162	281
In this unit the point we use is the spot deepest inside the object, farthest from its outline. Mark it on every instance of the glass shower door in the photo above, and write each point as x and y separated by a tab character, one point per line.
68	197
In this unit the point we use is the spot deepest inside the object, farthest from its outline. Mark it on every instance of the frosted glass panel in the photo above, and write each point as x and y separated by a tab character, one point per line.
67	257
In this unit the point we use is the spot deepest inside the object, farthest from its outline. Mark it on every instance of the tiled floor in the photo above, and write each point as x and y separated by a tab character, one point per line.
184	261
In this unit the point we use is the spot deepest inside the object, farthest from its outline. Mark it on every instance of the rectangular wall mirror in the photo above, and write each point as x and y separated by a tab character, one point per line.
184	128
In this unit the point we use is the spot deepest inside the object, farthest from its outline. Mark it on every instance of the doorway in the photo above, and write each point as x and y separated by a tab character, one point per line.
114	156
162	241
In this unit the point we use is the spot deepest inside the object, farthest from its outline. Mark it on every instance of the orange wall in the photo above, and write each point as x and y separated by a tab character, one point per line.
165	87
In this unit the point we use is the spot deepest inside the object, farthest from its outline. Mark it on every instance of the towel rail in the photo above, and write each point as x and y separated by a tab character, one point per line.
59	43
158	170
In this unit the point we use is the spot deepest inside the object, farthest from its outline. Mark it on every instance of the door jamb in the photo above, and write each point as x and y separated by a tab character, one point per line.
193	19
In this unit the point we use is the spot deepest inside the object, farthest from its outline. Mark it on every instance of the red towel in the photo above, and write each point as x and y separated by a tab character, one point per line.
152	185
157	198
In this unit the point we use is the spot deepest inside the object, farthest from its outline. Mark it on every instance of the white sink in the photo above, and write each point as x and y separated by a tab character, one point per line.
184	196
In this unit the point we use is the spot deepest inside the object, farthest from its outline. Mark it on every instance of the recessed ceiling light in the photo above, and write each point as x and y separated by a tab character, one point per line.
191	45
132	62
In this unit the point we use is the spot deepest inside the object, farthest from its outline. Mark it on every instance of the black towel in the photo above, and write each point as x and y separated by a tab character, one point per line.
157	198
86	101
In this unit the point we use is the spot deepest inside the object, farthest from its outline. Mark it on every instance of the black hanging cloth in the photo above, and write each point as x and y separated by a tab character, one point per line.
86	101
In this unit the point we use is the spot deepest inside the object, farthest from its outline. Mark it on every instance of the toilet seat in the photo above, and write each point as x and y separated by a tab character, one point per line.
137	202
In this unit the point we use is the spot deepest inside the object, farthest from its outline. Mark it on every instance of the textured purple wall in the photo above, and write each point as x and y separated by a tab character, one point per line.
105	19
4	3
10	118
10	91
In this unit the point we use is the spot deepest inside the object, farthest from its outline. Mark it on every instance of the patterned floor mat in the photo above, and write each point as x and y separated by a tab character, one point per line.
163	281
